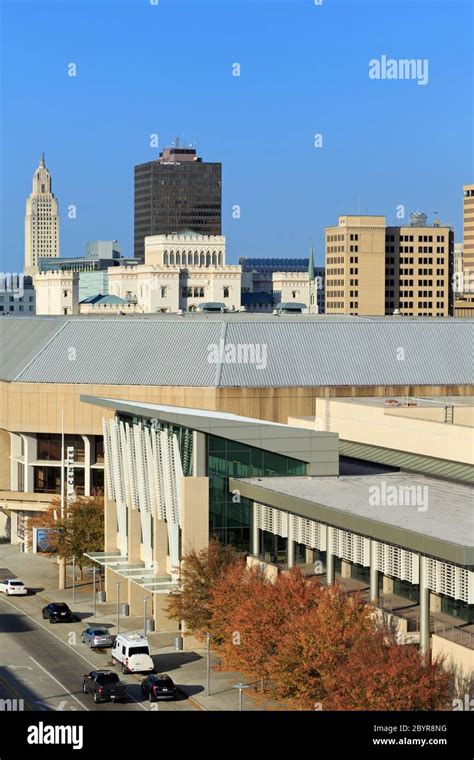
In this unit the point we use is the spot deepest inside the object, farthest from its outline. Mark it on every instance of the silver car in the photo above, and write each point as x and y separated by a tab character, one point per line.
97	637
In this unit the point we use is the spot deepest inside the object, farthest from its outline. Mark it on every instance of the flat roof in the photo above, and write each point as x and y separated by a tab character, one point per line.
440	524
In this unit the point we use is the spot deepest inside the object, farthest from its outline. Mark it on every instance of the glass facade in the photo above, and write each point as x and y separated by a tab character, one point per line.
49	446
230	519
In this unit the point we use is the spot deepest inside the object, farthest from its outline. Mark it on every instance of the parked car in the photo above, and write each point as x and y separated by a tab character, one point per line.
13	587
104	685
159	686
97	637
133	652
57	612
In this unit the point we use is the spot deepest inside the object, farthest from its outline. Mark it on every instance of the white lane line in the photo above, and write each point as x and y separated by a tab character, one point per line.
69	646
61	686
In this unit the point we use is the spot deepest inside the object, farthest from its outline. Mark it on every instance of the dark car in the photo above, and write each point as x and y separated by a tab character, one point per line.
57	612
159	686
104	685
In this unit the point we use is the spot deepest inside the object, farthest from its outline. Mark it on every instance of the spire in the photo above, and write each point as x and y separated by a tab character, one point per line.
311	263
41	163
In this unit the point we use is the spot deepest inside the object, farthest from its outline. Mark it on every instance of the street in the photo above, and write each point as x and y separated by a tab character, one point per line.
44	665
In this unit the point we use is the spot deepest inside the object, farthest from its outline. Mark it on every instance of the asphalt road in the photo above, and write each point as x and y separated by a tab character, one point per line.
44	664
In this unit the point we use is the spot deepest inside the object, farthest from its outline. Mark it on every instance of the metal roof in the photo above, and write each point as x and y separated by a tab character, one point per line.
268	351
442	526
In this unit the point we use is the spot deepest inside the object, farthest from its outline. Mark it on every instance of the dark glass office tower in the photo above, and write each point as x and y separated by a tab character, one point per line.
179	191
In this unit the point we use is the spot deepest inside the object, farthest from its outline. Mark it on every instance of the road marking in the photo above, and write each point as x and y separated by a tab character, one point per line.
69	646
59	683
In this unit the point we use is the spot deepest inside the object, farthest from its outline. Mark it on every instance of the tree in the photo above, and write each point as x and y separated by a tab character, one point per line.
380	674
253	614
315	644
200	570
339	657
80	530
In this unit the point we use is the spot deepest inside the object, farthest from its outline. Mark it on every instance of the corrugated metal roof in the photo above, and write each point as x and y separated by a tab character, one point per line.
264	352
21	340
369	352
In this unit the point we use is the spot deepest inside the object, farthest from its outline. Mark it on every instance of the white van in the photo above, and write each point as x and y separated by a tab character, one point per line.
133	652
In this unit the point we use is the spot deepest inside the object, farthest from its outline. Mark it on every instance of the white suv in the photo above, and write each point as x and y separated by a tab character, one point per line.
13	587
133	652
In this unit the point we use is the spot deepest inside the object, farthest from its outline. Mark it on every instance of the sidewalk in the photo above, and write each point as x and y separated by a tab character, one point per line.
188	669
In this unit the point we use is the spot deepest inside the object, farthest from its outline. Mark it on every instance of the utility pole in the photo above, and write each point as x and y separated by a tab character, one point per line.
62	560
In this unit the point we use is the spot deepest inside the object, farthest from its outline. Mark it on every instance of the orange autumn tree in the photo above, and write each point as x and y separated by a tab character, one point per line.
338	656
383	675
200	570
314	645
251	625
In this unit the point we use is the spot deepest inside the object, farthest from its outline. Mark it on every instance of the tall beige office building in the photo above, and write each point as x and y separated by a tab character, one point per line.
372	269
468	239
41	220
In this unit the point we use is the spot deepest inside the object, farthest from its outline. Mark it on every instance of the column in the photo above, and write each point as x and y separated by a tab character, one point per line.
134	533
87	465
290	544
199	454
255	532
374	575
110	524
330	574
30	455
424	608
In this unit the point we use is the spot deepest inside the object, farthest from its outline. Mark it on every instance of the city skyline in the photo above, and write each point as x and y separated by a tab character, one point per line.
288	189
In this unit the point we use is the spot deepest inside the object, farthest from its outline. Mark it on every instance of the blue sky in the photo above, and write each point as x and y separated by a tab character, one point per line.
167	69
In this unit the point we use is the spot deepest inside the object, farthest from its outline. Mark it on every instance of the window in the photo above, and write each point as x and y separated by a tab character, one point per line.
226	292
163	290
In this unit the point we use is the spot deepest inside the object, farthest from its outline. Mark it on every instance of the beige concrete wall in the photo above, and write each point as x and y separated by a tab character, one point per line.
195	515
393	429
459	657
36	407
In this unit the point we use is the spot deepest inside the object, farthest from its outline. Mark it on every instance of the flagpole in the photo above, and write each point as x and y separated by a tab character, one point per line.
62	560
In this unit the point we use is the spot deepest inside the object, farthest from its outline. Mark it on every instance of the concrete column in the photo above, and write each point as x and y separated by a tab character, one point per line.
134	531
136	595
309	555
160	546
424	608
387	585
290	544
374	575
162	621
199	454
195	515
330	572
111	580
30	447
346	569
110	524
87	465
255	532
435	602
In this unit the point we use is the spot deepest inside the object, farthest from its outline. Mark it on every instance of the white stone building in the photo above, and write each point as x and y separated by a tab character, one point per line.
57	292
181	271
41	220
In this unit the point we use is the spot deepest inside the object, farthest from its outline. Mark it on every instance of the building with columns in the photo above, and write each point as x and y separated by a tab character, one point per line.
181	272
41	220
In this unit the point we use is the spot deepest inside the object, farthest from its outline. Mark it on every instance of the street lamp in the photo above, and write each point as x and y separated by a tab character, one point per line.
240	687
73	579
118	607
93	591
208	663
144	614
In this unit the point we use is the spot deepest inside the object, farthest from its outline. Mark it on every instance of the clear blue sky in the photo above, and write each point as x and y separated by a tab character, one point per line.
167	69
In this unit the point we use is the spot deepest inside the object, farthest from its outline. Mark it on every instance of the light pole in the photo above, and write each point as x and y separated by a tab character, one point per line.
144	615
208	663
93	591
240	687
118	607
73	579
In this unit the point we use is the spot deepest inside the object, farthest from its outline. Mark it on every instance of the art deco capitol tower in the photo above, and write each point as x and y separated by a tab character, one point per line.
41	220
